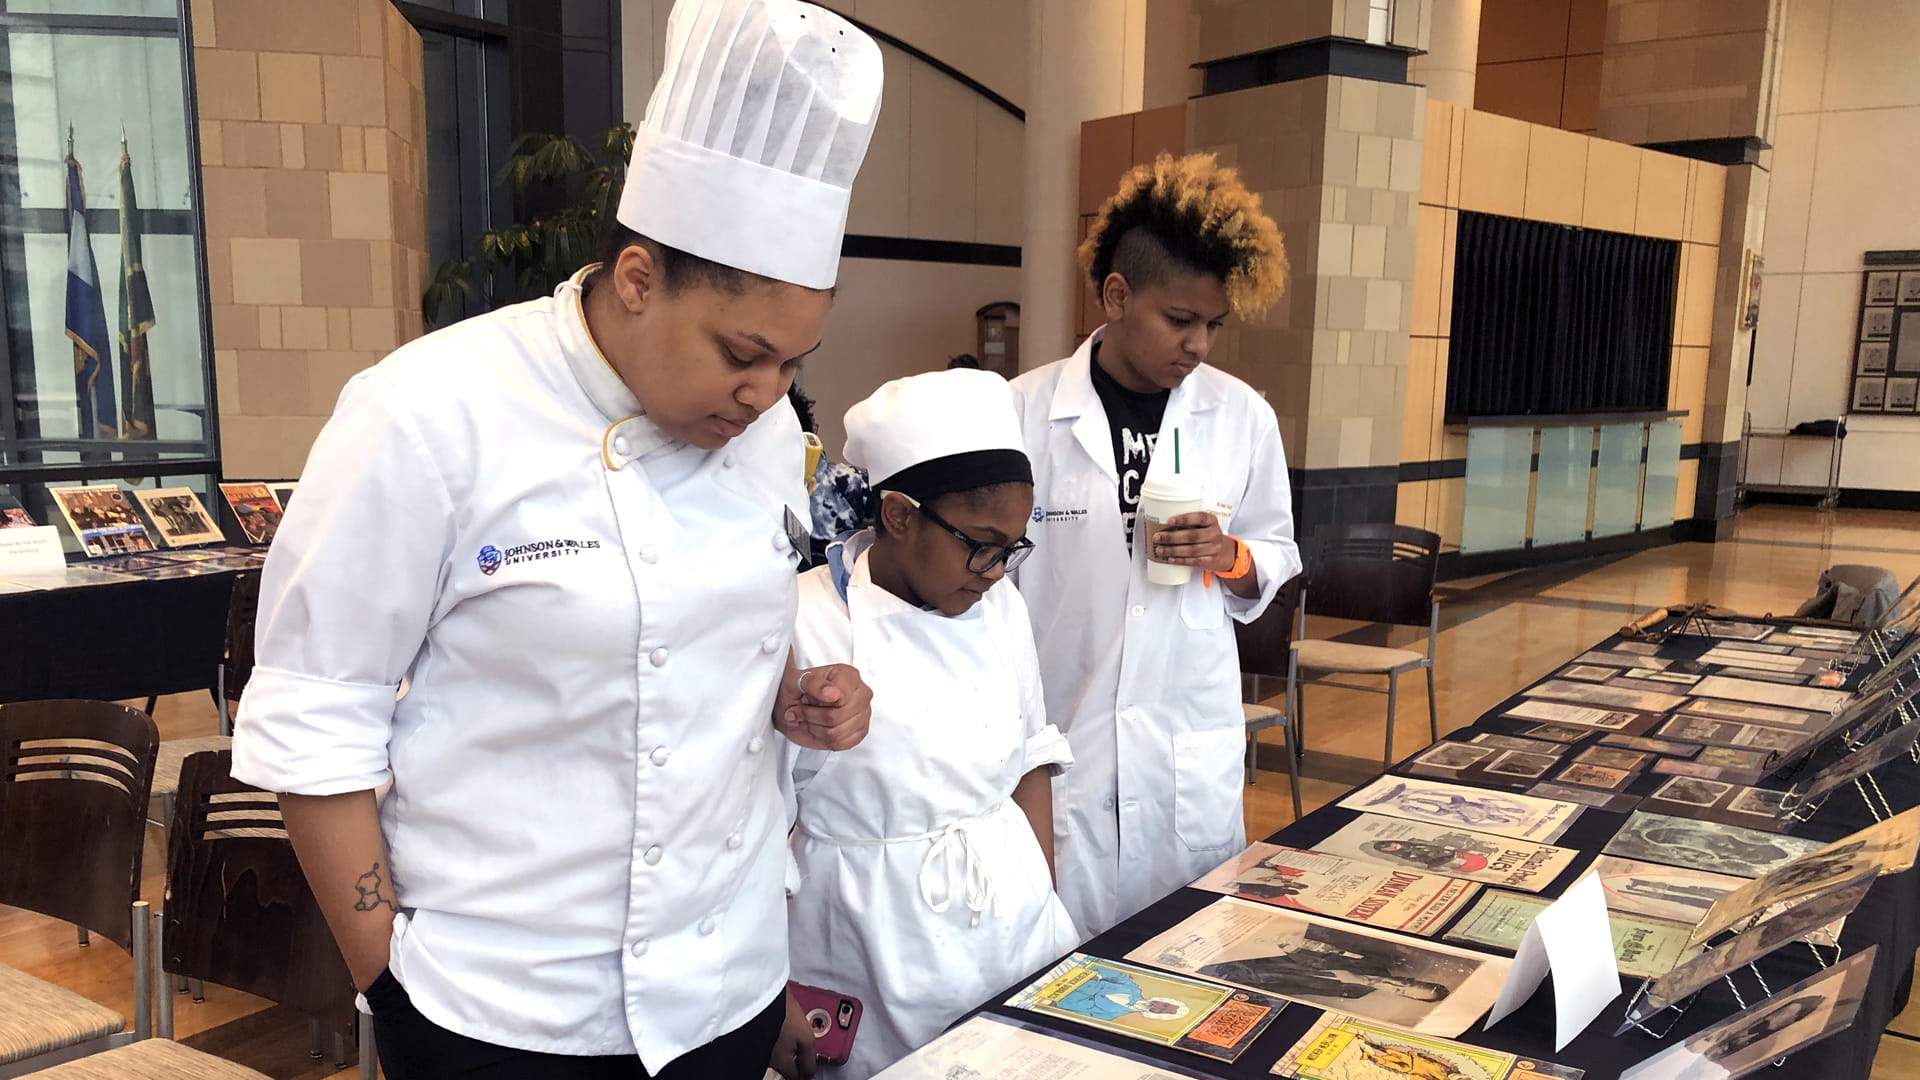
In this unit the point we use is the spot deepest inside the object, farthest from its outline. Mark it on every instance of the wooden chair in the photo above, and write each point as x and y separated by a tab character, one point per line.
74	777
1369	573
239	912
151	1059
1265	647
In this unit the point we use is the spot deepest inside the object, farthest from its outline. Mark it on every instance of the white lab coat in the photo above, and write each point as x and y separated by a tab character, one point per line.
923	890
1143	678
585	826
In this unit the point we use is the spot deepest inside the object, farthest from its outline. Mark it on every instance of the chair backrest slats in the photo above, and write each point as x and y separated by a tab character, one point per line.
74	781
1373	573
1266	643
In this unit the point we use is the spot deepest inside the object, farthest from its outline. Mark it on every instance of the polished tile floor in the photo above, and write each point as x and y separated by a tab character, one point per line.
1497	634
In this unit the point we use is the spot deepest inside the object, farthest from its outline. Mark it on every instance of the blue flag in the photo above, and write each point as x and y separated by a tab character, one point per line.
87	319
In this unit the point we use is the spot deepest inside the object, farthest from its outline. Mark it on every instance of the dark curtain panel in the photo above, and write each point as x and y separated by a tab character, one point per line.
1554	319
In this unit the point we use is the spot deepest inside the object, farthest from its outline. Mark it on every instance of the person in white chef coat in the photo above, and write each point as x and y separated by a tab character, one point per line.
1144	678
924	853
541	580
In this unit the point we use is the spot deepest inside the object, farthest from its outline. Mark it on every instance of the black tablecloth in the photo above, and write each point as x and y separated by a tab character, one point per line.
112	642
1888	917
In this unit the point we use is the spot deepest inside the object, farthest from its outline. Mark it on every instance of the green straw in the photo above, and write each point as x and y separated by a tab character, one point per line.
1176	451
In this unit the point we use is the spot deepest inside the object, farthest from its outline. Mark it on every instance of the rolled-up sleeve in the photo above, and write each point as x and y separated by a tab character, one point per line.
1263	520
347	595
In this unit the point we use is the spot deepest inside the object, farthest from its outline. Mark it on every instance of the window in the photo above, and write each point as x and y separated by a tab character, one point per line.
99	68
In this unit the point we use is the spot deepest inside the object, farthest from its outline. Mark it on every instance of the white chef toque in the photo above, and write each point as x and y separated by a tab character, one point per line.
927	435
759	122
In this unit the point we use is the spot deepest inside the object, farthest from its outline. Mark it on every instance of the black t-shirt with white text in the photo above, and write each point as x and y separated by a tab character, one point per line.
1134	421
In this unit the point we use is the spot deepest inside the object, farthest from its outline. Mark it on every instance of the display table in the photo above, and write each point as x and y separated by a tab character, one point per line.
1888	917
135	638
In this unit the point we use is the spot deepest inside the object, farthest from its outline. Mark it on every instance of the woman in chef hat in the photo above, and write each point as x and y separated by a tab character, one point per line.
571	527
925	852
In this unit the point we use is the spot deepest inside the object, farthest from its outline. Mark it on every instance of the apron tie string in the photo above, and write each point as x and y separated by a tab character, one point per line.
952	865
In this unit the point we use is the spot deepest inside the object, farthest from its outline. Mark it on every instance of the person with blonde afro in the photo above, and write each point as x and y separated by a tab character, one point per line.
1143	678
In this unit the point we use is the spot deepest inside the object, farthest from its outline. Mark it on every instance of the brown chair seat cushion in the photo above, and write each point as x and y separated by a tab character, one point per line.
1338	656
151	1059
39	1017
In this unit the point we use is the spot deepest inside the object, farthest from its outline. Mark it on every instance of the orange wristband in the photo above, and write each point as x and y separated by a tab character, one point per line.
1242	561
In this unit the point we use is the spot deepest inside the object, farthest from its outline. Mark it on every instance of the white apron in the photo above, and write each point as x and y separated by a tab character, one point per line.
923	890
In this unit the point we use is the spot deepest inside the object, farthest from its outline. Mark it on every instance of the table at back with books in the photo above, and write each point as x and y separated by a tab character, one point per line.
1675	763
128	626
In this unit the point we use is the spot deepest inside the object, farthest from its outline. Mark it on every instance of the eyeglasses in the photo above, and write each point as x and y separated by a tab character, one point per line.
982	556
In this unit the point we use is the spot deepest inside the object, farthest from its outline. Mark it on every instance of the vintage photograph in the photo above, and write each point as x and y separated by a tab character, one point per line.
1755	714
179	517
1759	802
1600	800
1900	393
1869	395
1431	988
256	508
1665	747
1691	791
1598	776
1883	286
1587	673
1728	733
1367	892
1516	742
1501	813
1461	853
103	519
1704	845
1906	361
1622	658
1732	757
1152	1006
1806	1012
1662	892
1612	696
1671	678
1560	733
13	515
1612	758
1781	928
1863	760
1808	698
1521	763
1886	847
1572	715
1909	286
1872	359
1642	947
1452	755
1343	1047
1877	323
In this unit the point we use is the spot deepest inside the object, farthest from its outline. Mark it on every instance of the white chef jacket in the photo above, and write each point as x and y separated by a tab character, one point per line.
1144	679
586	827
924	889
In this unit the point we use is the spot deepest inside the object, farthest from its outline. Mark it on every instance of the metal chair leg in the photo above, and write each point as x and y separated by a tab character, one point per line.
1253	750
198	989
1433	706
1297	713
339	1049
142	970
82	937
1393	698
314	1050
369	1057
162	1001
1293	778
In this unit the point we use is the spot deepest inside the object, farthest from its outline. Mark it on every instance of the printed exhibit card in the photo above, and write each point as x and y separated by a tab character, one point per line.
1642	947
1341	1047
1461	853
1522	817
1433	989
992	1048
1154	1006
1367	892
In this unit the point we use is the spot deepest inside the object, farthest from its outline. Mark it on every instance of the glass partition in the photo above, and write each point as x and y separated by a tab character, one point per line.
1562	485
1616	484
1499	477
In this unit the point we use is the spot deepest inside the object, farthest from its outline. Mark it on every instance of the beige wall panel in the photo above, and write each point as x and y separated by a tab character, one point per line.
1872	49
1521	30
1580	98
1556	175
879	205
943	146
999	216
1447	501
1436	148
1429	256
1662	206
984	38
1683	494
1493	176
1688	390
1106	151
1159	131
1803	61
1417	407
1865	163
1707	207
1696	324
1410	507
1586	26
1790	193
1527	90
1449	237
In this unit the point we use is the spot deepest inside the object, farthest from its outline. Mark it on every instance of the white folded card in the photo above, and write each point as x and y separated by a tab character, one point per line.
1572	938
34	550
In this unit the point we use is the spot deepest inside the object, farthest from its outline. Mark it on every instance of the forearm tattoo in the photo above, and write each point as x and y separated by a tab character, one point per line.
370	886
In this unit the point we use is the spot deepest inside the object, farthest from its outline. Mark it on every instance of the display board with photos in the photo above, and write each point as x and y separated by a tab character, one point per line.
1885	373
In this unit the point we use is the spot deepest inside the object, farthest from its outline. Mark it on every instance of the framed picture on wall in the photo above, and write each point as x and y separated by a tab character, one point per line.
1910	286
1870	395
1872	359
1877	323
1904	357
1883	286
1901	394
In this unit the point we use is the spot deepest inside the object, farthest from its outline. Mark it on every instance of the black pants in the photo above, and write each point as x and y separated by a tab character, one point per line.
412	1047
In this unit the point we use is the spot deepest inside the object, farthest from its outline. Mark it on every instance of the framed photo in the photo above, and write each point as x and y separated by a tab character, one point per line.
1910	286
1877	323
1907	361
1900	394
1869	395
1871	358
1883	286
1750	282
